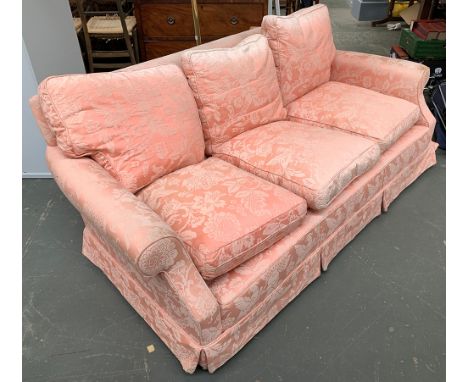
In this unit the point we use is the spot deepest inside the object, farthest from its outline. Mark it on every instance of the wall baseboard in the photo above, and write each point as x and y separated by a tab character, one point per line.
39	175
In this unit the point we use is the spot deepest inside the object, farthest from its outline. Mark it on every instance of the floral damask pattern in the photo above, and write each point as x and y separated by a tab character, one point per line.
303	49
236	88
198	318
214	354
357	110
125	222
313	162
177	303
408	175
151	305
246	286
397	78
138	125
242	289
410	147
224	215
170	294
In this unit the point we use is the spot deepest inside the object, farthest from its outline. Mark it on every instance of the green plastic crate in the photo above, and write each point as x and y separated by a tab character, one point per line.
419	48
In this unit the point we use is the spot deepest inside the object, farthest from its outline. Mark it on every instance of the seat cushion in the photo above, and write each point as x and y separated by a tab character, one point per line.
311	161
138	125
236	88
224	214
357	110
303	49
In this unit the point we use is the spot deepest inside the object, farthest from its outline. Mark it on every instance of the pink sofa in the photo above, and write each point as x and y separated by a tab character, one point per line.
215	184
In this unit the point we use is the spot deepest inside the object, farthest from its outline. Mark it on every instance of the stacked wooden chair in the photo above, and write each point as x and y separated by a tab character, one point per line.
105	21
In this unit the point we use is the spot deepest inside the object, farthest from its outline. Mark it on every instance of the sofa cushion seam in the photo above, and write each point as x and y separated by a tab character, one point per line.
327	125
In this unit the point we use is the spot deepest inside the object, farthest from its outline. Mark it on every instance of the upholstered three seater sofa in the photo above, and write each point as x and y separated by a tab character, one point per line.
215	184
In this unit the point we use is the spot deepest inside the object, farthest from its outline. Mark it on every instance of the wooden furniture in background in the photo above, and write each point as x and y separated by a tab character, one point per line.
426	10
108	24
294	5
77	24
391	6
166	26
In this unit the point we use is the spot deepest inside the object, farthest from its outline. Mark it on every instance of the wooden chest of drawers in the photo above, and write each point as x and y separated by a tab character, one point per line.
166	26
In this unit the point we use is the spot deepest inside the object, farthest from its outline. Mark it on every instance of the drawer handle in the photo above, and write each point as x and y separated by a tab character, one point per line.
234	20
171	20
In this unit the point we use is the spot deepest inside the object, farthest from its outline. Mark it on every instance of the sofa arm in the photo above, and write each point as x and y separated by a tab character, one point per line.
131	228
124	221
397	78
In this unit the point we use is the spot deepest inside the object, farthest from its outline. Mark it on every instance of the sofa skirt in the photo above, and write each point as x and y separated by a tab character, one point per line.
397	173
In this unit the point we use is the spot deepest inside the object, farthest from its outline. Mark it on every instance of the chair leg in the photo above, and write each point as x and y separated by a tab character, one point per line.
135	45
89	54
84	27
131	52
128	43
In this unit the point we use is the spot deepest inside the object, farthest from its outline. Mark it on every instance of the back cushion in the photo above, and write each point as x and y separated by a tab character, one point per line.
303	49
236	88
138	125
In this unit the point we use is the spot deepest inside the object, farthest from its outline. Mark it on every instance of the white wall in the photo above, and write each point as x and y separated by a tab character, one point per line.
34	164
50	38
50	47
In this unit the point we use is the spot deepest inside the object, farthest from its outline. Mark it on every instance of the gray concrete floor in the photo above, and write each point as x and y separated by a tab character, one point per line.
378	314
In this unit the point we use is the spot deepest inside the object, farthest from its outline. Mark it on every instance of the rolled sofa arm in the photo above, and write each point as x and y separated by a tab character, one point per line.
130	226
124	221
397	78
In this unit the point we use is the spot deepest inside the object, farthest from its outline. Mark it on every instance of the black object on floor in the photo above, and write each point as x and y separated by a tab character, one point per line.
438	103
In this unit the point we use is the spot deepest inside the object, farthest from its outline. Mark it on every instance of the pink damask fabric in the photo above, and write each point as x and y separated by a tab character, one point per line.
246	286
138	125
236	88
126	223
313	162
303	49
358	110
48	135
240	290
224	214
407	174
181	295
173	333
236	337
397	78
283	281
411	146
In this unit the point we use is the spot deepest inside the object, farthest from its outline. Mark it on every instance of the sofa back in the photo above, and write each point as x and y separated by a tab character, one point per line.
236	89
138	125
226	42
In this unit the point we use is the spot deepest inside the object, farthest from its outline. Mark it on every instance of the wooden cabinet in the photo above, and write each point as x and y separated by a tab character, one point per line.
166	26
